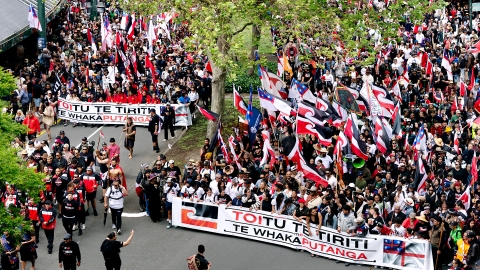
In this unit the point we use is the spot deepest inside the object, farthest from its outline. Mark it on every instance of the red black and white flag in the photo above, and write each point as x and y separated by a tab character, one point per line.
238	102
310	173
421	177
208	114
358	146
306	126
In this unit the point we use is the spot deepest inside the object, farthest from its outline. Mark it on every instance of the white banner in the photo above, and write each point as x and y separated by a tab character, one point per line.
394	252
112	113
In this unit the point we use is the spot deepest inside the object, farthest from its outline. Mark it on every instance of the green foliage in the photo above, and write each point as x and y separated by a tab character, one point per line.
12	170
239	76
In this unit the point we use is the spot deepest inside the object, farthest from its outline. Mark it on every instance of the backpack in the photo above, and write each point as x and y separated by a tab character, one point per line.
107	249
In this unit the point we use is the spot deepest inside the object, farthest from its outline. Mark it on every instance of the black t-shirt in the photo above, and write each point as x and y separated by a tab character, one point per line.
153	121
201	262
111	249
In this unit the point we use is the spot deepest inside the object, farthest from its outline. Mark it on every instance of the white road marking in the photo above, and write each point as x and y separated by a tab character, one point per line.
91	135
142	214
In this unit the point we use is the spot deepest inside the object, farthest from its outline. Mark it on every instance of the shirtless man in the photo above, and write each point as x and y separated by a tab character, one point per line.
115	172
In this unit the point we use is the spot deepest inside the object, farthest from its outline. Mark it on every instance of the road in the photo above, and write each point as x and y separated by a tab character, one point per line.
154	246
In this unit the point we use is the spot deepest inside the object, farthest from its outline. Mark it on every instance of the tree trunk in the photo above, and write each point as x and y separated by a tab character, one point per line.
256	32
219	77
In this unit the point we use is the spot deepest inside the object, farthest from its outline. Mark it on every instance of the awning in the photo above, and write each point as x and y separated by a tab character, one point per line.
13	18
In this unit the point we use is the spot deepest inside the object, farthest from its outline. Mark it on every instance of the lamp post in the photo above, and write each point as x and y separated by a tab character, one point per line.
42	35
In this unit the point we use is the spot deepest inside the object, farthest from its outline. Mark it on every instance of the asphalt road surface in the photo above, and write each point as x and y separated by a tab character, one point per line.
154	246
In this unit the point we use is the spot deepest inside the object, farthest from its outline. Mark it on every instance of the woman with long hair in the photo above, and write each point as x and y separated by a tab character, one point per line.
314	217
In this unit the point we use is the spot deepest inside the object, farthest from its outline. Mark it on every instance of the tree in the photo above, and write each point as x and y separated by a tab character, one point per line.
215	25
12	170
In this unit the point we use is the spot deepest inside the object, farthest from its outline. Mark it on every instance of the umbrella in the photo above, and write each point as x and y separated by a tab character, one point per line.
105	216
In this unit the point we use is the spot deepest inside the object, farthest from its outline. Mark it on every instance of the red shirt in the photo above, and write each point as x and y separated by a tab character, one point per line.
32	124
132	99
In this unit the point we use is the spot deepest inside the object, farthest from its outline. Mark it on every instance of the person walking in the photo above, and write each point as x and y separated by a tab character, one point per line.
153	128
70	207
110	249
69	256
48	220
114	197
130	131
168	121
202	263
153	193
33	126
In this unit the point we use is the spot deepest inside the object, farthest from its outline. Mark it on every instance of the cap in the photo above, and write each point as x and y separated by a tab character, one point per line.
301	200
104	143
67	236
171	161
112	139
89	168
370	198
84	138
293	168
457	184
169	180
446	184
314	188
58	141
360	173
62	132
48	202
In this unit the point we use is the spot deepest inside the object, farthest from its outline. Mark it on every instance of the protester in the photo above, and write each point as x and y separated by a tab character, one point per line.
110	249
69	256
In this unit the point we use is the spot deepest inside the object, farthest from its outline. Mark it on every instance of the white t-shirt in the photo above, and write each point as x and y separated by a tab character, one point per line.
172	193
210	199
232	191
398	231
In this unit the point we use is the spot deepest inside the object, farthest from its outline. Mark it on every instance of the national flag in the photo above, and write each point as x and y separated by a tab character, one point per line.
33	18
87	75
456	142
473	170
223	148
254	122
106	33
446	64
214	141
268	153
295	155
472	79
279	66
396	90
359	147
475	48
421	177
384	99
382	138
124	21
302	90
283	119
149	65
406	254
131	30
278	84
363	104
306	126
208	114
466	198
231	143
101	134
463	89
273	103
238	102
151	37
265	81
319	117
420	142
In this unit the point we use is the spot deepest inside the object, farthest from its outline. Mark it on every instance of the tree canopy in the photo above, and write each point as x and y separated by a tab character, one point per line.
12	169
351	29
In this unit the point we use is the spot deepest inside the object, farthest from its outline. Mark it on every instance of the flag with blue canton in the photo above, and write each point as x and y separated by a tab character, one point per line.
301	88
420	139
404	253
